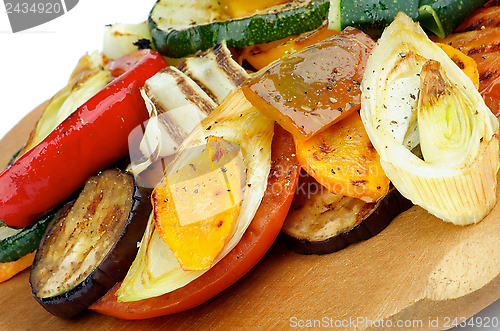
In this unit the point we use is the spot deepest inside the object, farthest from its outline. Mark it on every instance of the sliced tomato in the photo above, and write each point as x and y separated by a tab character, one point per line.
258	238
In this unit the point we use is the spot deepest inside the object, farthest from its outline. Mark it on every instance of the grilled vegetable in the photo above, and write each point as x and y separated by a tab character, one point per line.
90	139
259	56
18	246
179	98
255	242
343	160
443	16
314	87
12	268
373	16
214	71
420	89
90	244
486	17
183	28
197	207
235	121
478	37
122	39
88	77
320	222
15	243
370	16
464	62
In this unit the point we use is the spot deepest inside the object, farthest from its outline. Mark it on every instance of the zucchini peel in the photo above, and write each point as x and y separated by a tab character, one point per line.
180	30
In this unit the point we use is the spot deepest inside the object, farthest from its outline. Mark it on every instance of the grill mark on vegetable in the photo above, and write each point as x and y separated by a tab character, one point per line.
186	89
104	226
222	55
115	213
484	49
79	229
487	75
174	131
223	64
433	82
92	206
184	67
190	93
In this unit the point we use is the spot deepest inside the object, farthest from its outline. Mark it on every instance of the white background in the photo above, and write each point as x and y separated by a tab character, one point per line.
36	63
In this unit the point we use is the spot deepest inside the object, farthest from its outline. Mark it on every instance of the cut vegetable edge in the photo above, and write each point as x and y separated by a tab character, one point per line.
239	122
256	241
275	23
319	227
24	240
462	201
463	193
64	299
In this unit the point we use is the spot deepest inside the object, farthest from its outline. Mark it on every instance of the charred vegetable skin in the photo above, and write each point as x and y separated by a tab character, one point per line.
306	232
25	241
372	16
90	139
259	236
477	37
443	16
314	87
97	235
282	21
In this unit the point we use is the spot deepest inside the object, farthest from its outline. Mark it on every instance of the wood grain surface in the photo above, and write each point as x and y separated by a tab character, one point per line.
418	271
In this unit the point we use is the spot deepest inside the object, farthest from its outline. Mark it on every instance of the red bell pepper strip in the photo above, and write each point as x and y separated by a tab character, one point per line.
89	140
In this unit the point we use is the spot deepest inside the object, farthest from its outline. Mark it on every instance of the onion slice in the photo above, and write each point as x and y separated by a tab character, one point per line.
437	140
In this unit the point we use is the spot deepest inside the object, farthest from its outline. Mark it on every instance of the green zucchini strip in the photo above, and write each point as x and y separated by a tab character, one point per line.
181	30
19	242
442	17
372	16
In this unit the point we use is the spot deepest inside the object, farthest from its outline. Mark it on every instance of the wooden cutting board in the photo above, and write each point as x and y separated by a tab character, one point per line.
419	271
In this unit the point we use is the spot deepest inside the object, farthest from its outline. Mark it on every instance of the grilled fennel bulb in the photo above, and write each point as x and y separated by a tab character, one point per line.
156	271
437	140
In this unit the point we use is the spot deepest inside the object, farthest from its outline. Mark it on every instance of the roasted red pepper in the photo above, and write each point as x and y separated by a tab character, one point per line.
89	140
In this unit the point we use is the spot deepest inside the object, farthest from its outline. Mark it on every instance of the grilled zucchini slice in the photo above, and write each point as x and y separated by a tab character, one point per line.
181	28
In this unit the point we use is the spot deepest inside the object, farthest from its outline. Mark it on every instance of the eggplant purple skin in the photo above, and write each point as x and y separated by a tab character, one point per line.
113	268
387	209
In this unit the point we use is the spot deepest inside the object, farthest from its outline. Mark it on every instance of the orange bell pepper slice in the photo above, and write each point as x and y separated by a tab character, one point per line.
343	160
10	269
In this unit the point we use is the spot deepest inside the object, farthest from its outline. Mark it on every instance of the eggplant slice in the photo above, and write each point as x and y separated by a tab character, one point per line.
320	222
90	244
